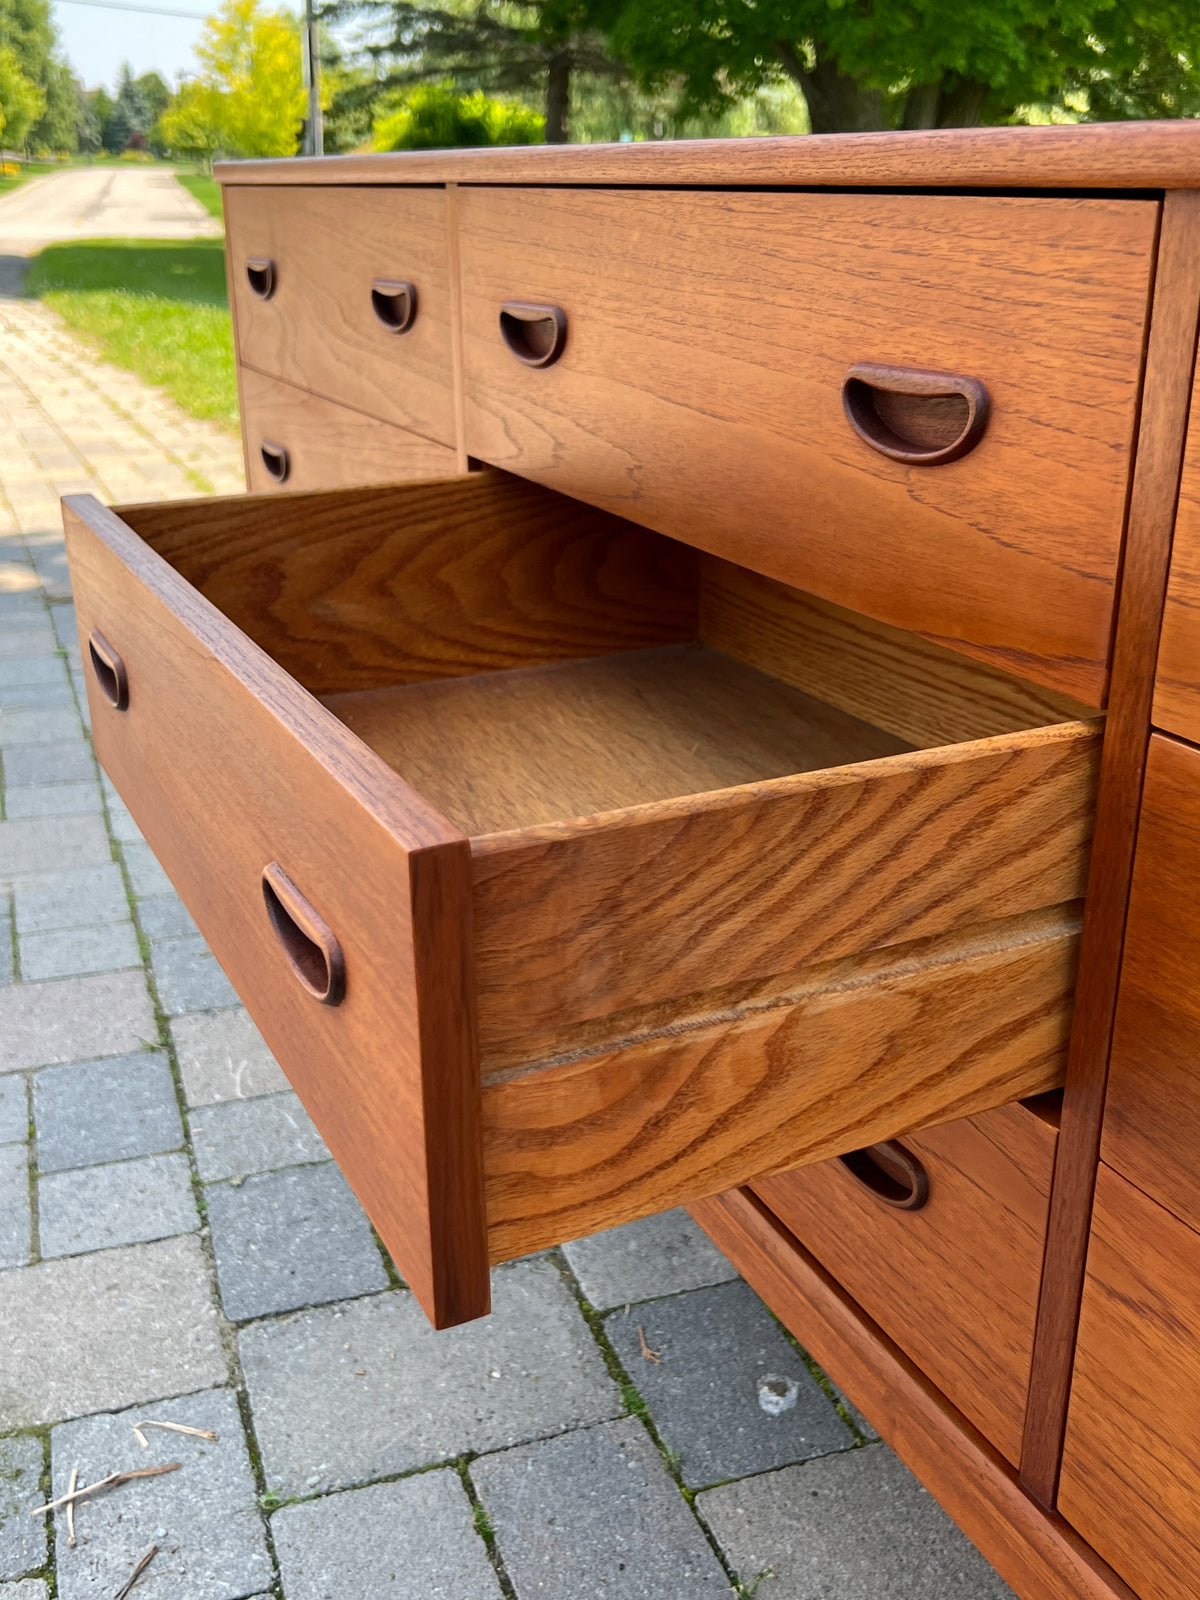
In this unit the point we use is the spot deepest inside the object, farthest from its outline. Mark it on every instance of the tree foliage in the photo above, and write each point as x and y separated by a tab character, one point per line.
912	63
248	99
500	46
438	117
21	102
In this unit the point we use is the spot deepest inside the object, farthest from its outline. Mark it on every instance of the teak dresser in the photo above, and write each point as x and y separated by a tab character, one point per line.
703	707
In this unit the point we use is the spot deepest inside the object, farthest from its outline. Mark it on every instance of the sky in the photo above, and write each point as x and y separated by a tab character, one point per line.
97	41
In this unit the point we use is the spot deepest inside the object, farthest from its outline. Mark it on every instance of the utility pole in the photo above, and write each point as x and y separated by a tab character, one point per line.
314	129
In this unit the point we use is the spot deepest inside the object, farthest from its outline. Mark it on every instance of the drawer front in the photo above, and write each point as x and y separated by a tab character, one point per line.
700	391
313	256
1177	679
955	1281
228	766
1152	1113
296	440
1131	1463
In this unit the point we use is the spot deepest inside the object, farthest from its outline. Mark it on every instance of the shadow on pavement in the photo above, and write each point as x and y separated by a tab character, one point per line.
12	276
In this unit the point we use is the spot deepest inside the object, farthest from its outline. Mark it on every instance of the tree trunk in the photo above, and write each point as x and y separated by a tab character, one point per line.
558	98
935	105
836	103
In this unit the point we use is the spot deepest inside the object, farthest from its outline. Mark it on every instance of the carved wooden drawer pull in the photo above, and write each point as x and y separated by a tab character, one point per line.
110	671
922	418
308	942
892	1174
394	303
276	460
536	335
260	275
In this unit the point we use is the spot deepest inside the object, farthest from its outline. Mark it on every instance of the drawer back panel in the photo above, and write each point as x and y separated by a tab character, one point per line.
700	391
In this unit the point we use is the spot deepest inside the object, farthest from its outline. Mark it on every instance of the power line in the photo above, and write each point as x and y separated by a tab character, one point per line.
152	11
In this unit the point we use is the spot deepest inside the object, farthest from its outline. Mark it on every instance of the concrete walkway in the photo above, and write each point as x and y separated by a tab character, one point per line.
178	1248
133	202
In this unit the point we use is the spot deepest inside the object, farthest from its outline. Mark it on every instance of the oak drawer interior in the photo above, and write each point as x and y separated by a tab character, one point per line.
753	880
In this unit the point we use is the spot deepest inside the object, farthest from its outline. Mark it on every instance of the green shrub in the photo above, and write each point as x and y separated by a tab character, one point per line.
438	117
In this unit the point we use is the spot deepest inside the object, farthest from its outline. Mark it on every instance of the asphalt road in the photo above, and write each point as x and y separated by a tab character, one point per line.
134	202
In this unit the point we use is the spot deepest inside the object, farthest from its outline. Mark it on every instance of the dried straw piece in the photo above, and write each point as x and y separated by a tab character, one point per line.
647	1353
71	1507
175	1427
113	1479
137	1572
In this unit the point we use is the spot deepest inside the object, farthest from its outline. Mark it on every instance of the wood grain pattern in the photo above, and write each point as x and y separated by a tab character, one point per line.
955	1284
576	920
426	580
318	329
1150	155
227	765
1039	1554
329	446
1131	1464
1169	365
841	1057
899	681
701	393
1177	682
512	750
1152	1114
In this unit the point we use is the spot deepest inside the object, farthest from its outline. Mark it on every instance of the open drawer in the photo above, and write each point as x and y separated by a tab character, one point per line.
571	874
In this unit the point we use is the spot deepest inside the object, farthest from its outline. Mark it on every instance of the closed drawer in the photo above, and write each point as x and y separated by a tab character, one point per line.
1177	676
321	280
709	338
647	876
947	1257
1152	1113
296	440
1131	1462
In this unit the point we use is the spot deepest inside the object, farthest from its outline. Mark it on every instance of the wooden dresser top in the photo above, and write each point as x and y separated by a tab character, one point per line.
1125	155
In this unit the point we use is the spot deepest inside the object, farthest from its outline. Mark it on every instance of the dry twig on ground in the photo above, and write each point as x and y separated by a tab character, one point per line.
175	1427
111	1482
137	1572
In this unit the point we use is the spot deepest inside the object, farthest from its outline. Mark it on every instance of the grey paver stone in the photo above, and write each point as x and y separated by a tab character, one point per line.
333	1408
49	763
14	1110
53	800
26	1589
38	697
45	725
49	555
593	1513
164	916
394	1541
223	1056
90	1333
65	627
15	1222
74	1019
642	1260
22	1537
203	1517
289	1239
858	1526
130	1202
67	951
32	845
145	874
6	949
728	1393
16	669
243	1136
123	826
189	978
105	1111
27	641
83	898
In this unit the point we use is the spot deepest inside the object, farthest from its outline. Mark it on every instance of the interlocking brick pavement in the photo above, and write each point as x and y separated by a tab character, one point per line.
174	1238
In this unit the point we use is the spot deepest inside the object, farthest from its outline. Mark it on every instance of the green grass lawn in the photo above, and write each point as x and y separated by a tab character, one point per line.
206	190
154	307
